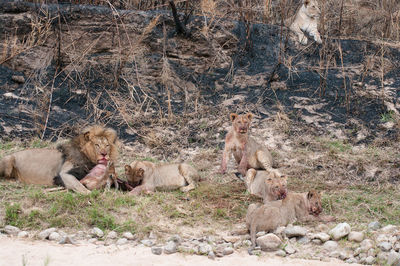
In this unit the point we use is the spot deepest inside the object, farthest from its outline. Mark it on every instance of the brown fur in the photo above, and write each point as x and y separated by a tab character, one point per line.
161	177
100	176
301	207
65	165
246	151
269	185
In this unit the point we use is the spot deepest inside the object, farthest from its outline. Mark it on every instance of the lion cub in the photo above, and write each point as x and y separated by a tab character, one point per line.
100	176
306	20
301	207
246	151
269	185
152	177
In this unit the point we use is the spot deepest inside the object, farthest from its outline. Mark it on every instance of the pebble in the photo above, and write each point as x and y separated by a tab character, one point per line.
112	235
122	241
289	249
204	248
330	245
339	231
147	242
317	241
55	236
374	225
128	235
170	247
389	229
96	232
23	234
295	231
227	251
175	238
280	253
211	255
269	242
303	240
385	246
366	245
393	258
46	233
322	236
11	230
68	240
156	250
356	236
261	233
231	239
369	260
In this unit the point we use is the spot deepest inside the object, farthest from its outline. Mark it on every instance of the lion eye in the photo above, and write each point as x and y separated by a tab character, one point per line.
97	145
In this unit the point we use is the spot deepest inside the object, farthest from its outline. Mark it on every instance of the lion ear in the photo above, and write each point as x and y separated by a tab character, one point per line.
306	2
111	135
310	194
269	180
233	116
140	172
249	116
128	168
87	135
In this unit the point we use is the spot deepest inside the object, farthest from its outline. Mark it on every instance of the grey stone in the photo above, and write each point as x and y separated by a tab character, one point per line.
269	242
382	256
393	258
322	236
70	240
128	235
303	240
170	247
261	233
11	230
231	239
356	236
211	255
204	248
366	244
96	232
23	234
227	251
148	242
369	260
385	246
389	229
92	240
330	245
18	78
343	255
334	254
293	240
175	238
122	241
317	241
289	249
280	253
351	260
112	235
341	230
357	251
382	238
295	231
46	233
156	250
374	226
54	236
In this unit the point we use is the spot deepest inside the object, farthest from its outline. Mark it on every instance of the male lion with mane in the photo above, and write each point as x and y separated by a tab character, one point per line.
67	164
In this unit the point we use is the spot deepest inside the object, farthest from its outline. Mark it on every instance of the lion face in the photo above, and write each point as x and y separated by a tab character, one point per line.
277	184
314	200
312	8
99	144
241	123
134	174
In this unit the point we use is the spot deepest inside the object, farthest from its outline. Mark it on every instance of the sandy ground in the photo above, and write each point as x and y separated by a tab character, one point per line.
27	252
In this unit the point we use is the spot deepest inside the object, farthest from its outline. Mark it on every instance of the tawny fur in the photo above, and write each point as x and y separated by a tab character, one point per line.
161	177
246	151
268	185
302	207
306	20
66	164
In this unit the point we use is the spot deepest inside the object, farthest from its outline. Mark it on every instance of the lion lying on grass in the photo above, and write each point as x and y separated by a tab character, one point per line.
67	164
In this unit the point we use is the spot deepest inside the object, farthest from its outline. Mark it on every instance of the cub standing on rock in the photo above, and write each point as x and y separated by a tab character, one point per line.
306	20
67	164
269	185
150	177
300	207
247	152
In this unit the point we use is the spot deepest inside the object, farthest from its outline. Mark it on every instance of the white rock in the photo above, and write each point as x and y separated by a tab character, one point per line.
330	245
280	253
303	240
385	246
227	251
389	229
383	256
366	245
370	260
69	240
340	230
156	250
122	241
322	236
231	239
211	255
46	233
205	248
382	238
128	235
54	236
147	242
96	232
393	258
269	242
23	234
356	236
170	247
374	225
317	241
176	238
289	249
11	230
261	233
112	235
295	231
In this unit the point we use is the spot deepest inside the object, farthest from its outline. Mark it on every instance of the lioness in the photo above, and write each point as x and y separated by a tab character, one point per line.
301	207
306	19
65	165
269	185
161	177
247	152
